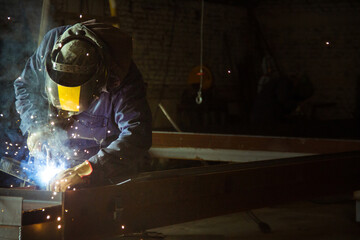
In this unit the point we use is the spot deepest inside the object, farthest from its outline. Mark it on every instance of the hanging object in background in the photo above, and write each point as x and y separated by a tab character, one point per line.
112	6
198	99
204	77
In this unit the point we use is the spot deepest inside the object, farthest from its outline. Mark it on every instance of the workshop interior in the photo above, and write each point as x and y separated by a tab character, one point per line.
255	108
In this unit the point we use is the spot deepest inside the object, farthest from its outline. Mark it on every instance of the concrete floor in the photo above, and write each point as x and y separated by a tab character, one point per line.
297	221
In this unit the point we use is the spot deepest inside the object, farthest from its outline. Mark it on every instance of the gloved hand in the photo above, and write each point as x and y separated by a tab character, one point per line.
71	177
36	140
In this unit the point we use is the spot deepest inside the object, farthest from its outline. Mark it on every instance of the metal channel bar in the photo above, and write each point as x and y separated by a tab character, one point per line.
226	155
168	197
252	143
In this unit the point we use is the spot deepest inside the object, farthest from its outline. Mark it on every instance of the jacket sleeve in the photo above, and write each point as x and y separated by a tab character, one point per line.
133	116
31	102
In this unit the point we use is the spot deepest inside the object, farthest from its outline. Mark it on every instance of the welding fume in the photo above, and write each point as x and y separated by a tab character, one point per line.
83	108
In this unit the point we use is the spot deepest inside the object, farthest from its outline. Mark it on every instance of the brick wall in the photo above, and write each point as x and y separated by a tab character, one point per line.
166	38
167	46
298	34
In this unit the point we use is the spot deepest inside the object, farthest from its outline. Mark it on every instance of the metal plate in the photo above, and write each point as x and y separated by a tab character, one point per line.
10	232
10	211
34	199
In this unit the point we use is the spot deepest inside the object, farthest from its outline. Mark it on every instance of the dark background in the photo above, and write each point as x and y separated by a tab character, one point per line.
280	68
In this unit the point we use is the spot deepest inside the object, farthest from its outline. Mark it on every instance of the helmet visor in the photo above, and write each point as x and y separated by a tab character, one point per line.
74	99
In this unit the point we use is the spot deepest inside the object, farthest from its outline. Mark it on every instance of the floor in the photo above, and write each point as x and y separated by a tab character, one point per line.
330	220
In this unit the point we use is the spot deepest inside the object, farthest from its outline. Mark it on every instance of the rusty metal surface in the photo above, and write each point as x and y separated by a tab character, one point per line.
252	143
175	196
43	231
164	198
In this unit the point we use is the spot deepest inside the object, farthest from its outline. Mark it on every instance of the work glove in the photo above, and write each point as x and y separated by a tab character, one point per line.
67	179
36	140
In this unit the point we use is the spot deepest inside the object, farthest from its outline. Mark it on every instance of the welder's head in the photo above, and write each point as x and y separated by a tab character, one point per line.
76	70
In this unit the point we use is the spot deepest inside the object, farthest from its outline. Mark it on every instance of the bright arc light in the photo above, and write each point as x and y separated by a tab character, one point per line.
48	172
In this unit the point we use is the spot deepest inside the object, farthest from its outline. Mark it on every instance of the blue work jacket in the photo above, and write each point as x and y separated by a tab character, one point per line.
114	133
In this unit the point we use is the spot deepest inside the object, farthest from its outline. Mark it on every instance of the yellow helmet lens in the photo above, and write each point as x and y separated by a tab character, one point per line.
69	98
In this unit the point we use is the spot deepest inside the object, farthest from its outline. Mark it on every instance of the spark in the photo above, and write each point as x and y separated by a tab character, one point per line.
9	18
229	71
327	43
48	172
48	217
80	16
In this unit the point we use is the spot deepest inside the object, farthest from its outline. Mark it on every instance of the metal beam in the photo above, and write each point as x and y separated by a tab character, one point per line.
242	148
226	155
168	197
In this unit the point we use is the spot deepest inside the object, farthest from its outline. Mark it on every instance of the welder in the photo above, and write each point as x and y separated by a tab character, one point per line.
82	81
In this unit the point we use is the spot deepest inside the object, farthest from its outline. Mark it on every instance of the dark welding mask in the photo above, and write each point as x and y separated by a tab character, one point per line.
76	70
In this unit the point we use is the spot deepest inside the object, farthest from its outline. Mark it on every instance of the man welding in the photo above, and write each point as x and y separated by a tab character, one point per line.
81	98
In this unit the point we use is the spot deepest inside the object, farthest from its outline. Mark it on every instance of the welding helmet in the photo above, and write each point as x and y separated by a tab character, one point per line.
76	70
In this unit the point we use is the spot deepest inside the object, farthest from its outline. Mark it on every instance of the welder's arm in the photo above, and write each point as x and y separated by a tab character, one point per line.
31	102
121	158
72	177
